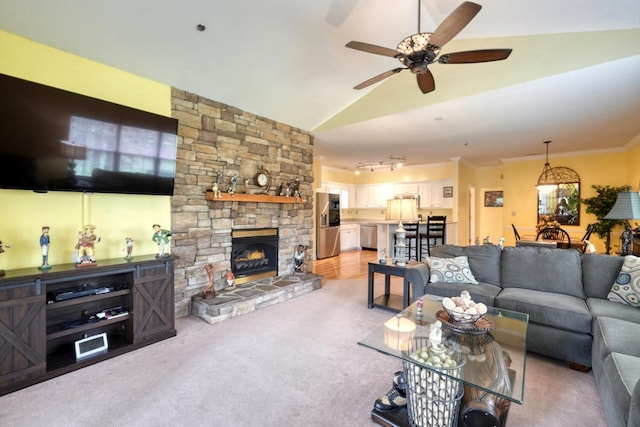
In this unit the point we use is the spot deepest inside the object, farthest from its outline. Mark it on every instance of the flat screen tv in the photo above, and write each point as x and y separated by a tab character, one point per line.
55	140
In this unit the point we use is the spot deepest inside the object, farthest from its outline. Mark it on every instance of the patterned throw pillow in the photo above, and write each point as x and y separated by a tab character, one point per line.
451	270
626	289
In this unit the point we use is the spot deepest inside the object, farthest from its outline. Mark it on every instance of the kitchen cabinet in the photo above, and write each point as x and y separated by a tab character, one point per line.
431	194
349	237
373	196
346	192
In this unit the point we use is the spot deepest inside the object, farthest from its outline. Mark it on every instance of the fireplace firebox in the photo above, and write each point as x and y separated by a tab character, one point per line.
254	254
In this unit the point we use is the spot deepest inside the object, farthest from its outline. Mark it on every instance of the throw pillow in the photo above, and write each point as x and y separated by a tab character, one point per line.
451	270
626	289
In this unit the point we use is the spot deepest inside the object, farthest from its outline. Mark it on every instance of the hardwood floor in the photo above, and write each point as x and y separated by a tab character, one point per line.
348	265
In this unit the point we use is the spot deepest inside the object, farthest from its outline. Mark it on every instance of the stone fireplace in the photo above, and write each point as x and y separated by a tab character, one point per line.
217	142
254	254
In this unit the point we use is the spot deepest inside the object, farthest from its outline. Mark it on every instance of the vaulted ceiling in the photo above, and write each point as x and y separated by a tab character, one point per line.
573	76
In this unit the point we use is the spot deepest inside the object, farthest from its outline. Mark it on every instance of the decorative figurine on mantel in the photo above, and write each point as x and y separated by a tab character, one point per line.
296	187
209	291
234	184
216	186
128	241
299	259
85	248
280	189
45	241
161	237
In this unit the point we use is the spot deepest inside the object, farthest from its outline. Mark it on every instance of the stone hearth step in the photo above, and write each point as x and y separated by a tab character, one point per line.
251	296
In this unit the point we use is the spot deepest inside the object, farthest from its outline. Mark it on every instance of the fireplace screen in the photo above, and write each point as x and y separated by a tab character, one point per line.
254	254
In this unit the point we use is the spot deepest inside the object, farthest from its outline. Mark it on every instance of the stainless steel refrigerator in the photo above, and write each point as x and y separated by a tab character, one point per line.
327	225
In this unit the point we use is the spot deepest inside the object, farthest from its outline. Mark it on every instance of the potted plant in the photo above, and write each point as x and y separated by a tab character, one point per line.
600	206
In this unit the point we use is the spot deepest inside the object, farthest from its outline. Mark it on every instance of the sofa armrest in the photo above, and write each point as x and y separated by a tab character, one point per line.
418	276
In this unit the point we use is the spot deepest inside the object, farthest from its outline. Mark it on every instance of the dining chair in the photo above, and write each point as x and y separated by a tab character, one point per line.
435	232
560	236
515	232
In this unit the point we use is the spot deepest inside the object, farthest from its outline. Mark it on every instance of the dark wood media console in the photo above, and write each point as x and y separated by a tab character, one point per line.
44	313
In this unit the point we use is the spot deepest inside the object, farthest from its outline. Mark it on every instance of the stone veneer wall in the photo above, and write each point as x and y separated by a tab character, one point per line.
214	137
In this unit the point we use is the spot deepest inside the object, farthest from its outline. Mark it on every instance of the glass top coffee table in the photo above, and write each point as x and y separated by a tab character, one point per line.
493	351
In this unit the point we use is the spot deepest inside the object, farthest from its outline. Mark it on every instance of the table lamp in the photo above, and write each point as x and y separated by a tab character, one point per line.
398	210
626	207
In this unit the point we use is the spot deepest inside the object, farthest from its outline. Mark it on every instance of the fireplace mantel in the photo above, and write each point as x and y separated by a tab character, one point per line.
257	198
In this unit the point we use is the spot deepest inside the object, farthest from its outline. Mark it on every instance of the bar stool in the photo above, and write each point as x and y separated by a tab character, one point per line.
435	233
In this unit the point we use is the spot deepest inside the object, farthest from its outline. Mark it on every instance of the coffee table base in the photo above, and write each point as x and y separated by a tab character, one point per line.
395	418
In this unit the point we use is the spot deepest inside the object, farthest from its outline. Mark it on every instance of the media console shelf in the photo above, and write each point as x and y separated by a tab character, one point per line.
44	314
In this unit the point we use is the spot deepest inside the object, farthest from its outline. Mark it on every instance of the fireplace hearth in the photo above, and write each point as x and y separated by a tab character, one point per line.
254	254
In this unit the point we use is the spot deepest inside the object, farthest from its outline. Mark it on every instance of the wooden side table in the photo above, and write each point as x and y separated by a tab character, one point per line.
389	301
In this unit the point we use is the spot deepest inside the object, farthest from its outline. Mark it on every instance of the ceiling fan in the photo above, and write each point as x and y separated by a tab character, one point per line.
420	50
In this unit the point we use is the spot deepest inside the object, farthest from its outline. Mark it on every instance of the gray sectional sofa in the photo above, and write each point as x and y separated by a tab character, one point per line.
570	318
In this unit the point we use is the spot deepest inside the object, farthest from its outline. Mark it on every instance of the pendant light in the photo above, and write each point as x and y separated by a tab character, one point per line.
546	182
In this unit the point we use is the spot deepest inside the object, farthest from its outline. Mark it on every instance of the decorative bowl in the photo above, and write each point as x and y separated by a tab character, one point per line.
460	317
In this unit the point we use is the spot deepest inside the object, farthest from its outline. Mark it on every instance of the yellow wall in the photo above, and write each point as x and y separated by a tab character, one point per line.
23	213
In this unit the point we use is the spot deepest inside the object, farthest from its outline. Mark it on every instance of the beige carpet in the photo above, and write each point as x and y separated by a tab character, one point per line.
293	364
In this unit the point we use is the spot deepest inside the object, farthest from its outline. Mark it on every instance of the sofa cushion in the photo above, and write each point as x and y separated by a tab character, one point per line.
626	289
622	372
605	308
598	273
546	308
615	336
484	260
450	270
549	270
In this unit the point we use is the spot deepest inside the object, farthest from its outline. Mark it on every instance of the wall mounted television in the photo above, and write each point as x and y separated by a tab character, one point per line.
55	140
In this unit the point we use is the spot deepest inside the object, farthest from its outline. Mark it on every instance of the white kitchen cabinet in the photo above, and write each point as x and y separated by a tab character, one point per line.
405	189
431	194
373	196
344	190
349	237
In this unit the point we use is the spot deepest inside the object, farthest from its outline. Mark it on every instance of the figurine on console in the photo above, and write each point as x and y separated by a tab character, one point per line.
128	241
85	248
45	241
161	238
2	251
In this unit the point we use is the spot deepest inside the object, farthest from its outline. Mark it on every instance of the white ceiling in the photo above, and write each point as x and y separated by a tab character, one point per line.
573	76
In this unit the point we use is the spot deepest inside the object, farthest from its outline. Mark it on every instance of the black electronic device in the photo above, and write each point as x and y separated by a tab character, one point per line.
55	140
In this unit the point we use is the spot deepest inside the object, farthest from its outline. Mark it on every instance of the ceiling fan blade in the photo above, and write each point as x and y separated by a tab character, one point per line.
454	23
426	82
472	56
377	78
372	48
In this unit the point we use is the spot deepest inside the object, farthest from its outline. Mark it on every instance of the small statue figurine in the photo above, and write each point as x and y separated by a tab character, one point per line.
246	186
288	190
280	189
230	279
128	241
161	237
501	242
296	187
45	241
627	237
435	335
209	291
85	248
234	184
216	186
2	251
299	259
